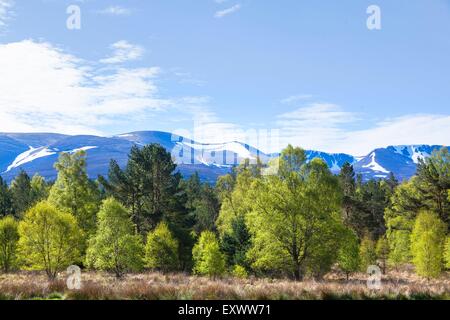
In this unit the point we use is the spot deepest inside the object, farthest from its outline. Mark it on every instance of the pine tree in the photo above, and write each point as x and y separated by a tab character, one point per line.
21	192
447	253
5	199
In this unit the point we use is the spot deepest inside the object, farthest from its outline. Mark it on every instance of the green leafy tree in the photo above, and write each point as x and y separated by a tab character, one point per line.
399	248
367	252
400	215
382	250
21	192
161	250
40	189
208	259
115	246
447	253
9	236
73	191
294	216
49	239
348	256
427	243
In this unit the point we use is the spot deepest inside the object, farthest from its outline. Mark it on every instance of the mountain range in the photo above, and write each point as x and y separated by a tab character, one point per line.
37	152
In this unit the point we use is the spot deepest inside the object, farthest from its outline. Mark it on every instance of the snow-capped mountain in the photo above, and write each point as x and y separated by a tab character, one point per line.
36	153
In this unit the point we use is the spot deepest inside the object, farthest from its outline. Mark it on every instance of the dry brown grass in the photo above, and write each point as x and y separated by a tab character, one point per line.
156	286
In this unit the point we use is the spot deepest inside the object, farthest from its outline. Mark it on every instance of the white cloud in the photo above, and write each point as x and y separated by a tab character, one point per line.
326	127
296	98
124	51
5	12
228	11
45	89
116	11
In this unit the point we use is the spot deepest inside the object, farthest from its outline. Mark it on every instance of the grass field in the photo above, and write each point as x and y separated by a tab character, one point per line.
156	286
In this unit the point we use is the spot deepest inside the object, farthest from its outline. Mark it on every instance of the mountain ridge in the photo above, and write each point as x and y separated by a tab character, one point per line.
37	152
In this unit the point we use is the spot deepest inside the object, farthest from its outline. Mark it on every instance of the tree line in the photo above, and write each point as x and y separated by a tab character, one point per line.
300	222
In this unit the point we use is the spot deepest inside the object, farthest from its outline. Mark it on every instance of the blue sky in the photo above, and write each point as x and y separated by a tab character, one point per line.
217	69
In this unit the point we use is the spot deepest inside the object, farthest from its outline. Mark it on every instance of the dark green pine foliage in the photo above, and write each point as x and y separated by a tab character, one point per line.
150	187
236	243
434	182
21	193
5	199
202	203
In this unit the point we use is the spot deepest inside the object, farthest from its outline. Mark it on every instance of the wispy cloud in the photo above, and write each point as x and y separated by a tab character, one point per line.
296	98
46	89
5	12
116	11
228	11
327	127
124	51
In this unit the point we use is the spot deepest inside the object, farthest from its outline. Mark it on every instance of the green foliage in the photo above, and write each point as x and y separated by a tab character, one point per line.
161	250
447	253
240	272
235	203
40	189
6	206
364	203
348	256
49	239
149	187
382	250
367	253
433	175
208	259
202	203
399	247
115	246
74	192
294	217
9	236
236	243
427	242
21	192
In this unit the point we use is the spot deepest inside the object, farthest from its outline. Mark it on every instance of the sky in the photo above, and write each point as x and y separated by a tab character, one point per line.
309	72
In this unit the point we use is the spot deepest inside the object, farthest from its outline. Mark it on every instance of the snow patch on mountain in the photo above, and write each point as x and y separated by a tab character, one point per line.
40	152
373	165
29	156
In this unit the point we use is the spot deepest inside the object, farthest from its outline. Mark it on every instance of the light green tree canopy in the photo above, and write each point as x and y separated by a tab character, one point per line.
9	236
74	192
208	259
49	239
161	249
295	217
427	243
115	246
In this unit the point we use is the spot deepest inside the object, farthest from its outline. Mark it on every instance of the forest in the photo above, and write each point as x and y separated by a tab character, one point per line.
298	224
